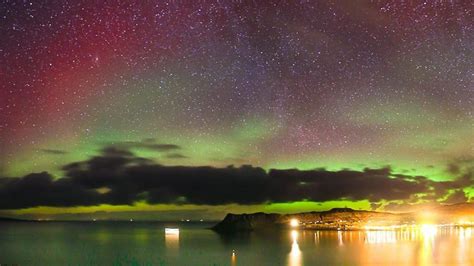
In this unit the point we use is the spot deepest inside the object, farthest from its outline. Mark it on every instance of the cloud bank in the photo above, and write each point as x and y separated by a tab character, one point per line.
118	177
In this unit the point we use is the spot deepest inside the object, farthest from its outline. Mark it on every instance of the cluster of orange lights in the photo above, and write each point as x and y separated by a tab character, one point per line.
423	226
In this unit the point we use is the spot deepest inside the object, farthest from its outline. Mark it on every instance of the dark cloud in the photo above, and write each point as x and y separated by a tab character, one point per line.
149	144
53	151
176	156
111	151
128	179
458	196
453	168
39	189
462	163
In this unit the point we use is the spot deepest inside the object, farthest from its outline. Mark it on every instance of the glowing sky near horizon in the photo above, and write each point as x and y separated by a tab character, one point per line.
275	84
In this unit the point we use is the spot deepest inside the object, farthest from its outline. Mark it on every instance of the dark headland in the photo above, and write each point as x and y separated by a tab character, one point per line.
344	219
7	219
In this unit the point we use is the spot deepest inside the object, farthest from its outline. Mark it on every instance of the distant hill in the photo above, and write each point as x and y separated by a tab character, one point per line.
340	219
7	219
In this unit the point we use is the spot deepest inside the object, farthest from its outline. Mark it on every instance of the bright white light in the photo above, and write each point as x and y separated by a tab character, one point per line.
294	235
428	230
377	237
172	231
294	222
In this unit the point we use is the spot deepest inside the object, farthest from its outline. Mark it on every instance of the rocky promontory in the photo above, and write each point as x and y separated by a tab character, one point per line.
341	219
338	218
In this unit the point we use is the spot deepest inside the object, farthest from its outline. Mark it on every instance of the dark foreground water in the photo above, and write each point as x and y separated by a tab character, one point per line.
138	243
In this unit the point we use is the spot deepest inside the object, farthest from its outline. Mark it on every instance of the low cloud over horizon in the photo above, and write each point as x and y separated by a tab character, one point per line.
118	177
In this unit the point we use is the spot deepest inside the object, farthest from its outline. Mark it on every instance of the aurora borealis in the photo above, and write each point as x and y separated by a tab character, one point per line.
354	95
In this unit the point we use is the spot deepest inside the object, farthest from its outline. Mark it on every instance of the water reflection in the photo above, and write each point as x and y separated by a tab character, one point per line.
295	253
114	243
428	233
316	238
420	245
103	236
339	238
172	238
465	234
378	237
233	258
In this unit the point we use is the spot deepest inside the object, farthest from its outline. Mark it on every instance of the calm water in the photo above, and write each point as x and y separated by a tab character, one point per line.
136	243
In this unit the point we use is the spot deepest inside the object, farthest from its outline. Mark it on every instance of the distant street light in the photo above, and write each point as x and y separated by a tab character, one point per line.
294	223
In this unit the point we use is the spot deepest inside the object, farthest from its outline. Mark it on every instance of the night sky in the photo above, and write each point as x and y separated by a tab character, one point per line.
193	109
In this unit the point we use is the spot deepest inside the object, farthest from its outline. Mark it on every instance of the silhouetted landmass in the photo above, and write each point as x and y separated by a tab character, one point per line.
342	219
338	218
7	219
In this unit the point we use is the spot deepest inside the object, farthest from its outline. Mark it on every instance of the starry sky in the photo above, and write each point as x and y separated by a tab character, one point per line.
266	105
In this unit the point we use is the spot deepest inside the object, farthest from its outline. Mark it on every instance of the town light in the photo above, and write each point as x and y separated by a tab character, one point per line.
294	223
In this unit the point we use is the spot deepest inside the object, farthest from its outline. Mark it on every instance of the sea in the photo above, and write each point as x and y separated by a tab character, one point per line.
183	243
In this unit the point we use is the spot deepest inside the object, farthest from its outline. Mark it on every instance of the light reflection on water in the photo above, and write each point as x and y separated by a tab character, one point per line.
295	253
423	245
172	241
464	235
233	258
376	237
147	243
